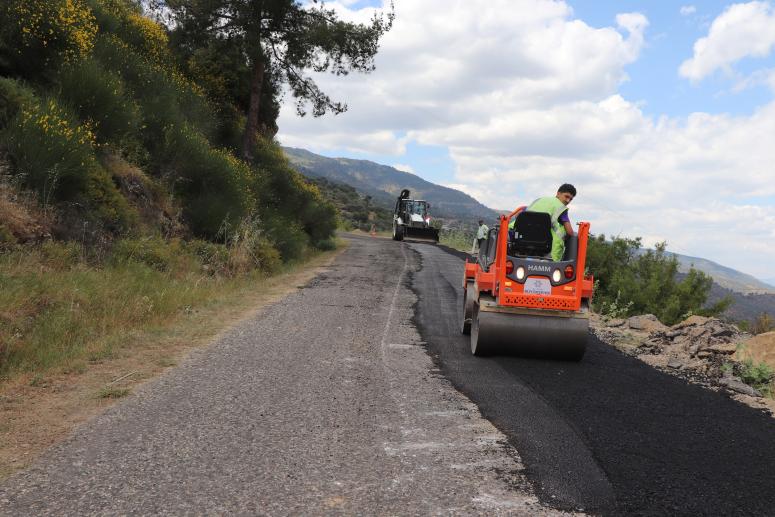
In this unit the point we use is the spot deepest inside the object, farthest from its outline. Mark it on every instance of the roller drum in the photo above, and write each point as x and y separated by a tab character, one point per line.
469	298
550	337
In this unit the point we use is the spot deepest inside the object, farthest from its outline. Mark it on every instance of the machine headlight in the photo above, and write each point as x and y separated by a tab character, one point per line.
556	275
520	273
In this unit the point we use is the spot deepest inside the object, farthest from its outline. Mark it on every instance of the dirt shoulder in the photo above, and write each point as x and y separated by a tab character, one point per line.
37	411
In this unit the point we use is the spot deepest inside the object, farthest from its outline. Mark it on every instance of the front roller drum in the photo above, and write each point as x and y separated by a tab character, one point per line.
548	337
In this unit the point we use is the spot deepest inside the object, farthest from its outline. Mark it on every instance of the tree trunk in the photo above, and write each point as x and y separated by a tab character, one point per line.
251	124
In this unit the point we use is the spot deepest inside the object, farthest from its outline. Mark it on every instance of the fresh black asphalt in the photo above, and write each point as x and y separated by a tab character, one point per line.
609	434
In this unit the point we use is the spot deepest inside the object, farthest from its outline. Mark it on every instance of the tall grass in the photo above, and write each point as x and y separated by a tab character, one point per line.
458	239
58	309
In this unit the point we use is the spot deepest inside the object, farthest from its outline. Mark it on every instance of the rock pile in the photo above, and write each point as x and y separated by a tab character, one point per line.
698	349
696	336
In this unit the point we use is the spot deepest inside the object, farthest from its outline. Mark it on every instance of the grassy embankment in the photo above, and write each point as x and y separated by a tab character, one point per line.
125	202
457	239
60	313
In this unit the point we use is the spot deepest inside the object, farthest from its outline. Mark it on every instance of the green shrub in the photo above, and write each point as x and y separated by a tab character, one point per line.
638	282
287	236
6	237
51	150
264	256
213	185
37	35
153	252
99	95
326	245
757	375
14	95
286	193
54	155
213	256
168	102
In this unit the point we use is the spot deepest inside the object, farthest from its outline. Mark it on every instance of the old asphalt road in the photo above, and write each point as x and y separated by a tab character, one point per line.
325	403
609	434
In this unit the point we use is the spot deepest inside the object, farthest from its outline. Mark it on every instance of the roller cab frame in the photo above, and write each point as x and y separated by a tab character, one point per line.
517	300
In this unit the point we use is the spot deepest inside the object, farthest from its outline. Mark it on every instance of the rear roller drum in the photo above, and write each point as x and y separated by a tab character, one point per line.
478	345
528	336
469	298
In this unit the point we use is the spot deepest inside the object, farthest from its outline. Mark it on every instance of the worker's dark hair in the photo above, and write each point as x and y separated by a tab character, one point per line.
567	187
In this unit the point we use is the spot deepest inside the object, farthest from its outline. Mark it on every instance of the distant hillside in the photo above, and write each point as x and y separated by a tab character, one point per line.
724	276
745	306
769	281
355	209
384	183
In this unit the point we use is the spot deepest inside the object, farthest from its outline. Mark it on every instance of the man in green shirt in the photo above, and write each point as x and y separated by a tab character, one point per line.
557	208
481	234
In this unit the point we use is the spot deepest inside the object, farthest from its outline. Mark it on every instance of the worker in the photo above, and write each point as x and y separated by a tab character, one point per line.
481	234
557	207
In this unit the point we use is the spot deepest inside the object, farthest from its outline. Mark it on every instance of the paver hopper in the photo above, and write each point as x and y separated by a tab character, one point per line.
517	300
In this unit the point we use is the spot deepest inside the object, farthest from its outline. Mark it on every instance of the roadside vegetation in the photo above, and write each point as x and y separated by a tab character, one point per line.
630	281
356	211
761	324
138	182
460	239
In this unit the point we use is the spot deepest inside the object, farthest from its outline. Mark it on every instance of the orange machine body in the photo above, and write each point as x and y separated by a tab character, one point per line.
500	283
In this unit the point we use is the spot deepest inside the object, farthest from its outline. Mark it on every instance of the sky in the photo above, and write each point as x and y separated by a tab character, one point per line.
662	114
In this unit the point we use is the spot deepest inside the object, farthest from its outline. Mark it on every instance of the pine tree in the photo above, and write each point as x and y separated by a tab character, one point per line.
282	40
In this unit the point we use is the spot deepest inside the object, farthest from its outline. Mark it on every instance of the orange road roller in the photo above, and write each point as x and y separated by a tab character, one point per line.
518	300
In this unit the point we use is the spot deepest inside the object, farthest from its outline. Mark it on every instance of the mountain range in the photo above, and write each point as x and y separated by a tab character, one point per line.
724	276
383	183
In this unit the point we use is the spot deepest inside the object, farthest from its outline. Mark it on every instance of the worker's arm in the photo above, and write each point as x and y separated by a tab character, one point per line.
568	228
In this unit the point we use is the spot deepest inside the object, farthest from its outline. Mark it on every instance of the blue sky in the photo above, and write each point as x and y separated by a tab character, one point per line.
504	98
653	81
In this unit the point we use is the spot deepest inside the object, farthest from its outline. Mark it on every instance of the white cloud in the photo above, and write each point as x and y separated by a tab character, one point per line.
525	97
687	10
742	30
403	167
764	77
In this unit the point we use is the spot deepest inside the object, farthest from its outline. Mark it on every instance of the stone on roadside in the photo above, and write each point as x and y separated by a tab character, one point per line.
722	348
691	321
645	323
614	322
735	384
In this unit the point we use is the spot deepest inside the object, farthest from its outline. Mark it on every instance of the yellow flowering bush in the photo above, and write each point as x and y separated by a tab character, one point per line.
50	149
46	30
100	96
55	155
151	36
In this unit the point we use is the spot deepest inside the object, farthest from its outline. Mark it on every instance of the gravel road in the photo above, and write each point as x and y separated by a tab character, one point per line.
609	434
325	403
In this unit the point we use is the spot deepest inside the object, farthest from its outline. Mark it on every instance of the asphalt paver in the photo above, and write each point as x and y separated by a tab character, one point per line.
610	434
325	403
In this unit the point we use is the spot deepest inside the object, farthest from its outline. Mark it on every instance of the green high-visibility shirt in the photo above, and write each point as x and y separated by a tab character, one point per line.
555	208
